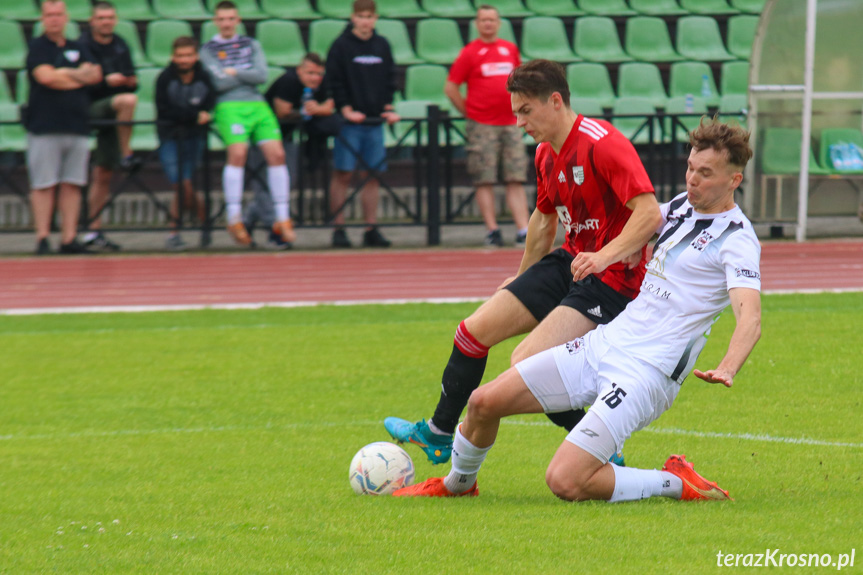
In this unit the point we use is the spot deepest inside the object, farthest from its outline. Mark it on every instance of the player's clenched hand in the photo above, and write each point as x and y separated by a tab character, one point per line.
587	263
505	283
715	376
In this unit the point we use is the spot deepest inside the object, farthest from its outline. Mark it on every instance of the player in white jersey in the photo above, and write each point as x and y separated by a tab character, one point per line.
630	370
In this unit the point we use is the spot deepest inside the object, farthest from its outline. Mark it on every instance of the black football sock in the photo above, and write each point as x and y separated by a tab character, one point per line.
462	375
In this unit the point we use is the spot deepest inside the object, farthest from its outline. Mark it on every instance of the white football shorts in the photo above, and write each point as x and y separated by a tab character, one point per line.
625	393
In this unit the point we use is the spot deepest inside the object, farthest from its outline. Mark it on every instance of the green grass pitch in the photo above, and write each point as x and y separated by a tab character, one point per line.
219	442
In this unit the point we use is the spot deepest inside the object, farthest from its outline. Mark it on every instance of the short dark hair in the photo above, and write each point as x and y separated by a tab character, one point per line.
539	79
225	5
730	138
365	6
184	42
314	58
103	5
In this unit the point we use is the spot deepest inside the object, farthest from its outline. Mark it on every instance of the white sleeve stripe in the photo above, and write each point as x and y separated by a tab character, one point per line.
589	132
595	125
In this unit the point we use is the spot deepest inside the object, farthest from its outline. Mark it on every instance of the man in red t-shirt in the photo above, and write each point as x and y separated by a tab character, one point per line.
493	138
590	177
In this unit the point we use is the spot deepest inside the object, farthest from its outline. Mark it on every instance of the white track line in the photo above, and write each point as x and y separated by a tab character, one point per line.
293	304
229	428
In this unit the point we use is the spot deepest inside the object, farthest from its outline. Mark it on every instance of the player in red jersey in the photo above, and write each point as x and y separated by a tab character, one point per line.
590	177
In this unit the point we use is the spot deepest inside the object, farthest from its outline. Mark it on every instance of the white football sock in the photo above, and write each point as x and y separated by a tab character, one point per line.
436	430
466	461
280	184
232	181
632	484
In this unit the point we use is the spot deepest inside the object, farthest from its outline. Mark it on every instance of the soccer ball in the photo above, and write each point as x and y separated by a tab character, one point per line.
380	468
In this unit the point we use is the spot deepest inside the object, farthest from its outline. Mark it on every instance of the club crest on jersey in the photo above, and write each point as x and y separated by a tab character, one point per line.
701	241
72	55
578	174
574	346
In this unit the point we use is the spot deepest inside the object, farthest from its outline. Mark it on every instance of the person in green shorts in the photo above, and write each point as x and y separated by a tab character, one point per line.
237	66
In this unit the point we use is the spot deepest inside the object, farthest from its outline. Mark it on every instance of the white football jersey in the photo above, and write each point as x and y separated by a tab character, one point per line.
696	260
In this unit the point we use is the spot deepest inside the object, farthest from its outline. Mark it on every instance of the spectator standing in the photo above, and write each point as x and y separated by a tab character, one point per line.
111	99
184	100
494	141
57	122
361	74
237	66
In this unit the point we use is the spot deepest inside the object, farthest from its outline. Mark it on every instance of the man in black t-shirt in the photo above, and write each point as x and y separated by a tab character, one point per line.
111	99
298	95
57	122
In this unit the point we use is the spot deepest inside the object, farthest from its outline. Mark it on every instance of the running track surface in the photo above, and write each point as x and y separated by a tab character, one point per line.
224	280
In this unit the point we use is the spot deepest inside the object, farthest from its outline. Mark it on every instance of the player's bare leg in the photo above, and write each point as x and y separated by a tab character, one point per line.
501	317
563	324
506	395
576	475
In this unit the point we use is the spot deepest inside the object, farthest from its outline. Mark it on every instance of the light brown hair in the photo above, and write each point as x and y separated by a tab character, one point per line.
730	138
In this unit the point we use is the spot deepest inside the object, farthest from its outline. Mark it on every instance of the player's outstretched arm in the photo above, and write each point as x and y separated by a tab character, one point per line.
541	230
640	227
746	304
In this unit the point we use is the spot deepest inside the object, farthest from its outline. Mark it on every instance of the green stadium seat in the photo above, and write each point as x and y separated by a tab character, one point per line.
147	83
135	10
688	78
658	7
273	74
591	81
426	82
409	111
698	38
545	37
72	31
400	9
648	40
22	86
586	107
281	41
596	40
637	129
833	136
707	7
735	78
683	125
339	9
450	8
507	8
144	137
559	8
748	6
79	10
322	33
128	31
160	37
606	7
780	158
643	80
505	32
13	137
209	30
290	9
438	40
185	10
13	47
734	108
6	94
396	33
248	9
19	10
741	34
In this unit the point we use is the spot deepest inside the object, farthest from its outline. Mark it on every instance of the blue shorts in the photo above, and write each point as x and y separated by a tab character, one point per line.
364	141
193	152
